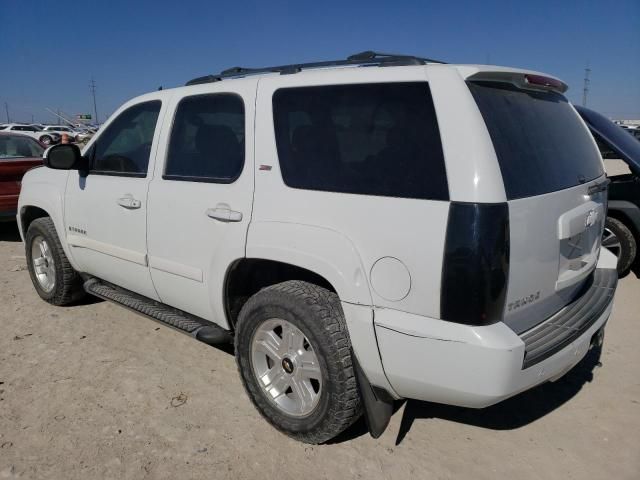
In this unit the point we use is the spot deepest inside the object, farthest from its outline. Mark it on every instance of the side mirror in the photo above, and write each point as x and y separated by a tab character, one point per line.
65	156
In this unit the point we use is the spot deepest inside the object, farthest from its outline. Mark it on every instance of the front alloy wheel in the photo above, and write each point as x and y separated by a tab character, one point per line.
44	266
52	275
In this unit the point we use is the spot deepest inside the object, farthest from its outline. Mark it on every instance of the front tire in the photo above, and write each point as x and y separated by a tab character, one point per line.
619	239
294	357
52	275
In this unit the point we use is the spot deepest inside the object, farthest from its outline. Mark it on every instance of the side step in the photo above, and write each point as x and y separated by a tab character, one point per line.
199	328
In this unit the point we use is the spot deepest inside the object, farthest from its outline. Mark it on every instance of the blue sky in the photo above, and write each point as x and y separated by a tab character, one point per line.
50	50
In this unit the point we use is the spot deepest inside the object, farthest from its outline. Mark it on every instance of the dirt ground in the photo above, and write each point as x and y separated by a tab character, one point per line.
94	391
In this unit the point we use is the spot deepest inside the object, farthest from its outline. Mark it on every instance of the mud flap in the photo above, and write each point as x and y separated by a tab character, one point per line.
378	404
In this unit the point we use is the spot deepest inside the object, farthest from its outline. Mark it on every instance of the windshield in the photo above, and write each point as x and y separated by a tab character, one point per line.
541	144
612	137
36	128
19	147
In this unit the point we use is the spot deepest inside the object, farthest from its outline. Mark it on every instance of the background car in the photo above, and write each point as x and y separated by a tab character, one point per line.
622	228
34	131
18	153
62	129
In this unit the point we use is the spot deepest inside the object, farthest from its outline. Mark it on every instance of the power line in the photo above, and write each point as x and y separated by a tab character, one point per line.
92	88
585	89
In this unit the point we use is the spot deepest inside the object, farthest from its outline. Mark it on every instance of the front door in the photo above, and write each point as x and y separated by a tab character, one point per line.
105	211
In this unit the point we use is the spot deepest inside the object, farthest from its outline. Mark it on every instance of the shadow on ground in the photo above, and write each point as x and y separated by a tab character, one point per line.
9	232
513	413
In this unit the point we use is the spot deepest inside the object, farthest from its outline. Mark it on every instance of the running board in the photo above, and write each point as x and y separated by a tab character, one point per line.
199	328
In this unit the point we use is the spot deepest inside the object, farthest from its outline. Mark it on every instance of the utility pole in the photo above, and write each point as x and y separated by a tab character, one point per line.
92	87
585	89
6	109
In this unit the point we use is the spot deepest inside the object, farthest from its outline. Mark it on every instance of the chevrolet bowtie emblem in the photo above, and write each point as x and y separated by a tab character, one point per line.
592	216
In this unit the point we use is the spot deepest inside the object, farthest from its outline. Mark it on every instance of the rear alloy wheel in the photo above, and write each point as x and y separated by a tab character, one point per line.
45	139
294	357
620	241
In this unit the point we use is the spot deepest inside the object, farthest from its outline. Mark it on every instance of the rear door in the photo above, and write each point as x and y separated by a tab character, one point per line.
106	210
554	182
200	198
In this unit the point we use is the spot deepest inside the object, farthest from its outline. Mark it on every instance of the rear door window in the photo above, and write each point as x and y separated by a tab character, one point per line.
207	140
370	139
541	143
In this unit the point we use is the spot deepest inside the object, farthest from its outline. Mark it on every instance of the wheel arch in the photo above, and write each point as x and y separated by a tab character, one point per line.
41	195
247	276
28	214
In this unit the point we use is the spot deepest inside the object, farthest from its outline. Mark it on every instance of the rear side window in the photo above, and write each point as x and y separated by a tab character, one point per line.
370	139
207	140
541	143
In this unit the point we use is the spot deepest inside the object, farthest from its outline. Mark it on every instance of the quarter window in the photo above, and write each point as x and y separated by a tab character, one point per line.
369	139
207	140
124	147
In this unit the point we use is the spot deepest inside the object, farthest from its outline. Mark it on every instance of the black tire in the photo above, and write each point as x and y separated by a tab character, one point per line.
46	140
317	313
619	238
67	286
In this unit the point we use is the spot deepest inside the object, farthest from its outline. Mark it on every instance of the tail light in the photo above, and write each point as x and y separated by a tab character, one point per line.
475	267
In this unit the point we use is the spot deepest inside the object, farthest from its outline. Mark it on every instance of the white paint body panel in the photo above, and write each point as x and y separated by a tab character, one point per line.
432	360
410	230
44	188
112	240
171	251
190	252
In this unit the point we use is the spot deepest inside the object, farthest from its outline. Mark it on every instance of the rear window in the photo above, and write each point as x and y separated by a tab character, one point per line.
541	143
369	139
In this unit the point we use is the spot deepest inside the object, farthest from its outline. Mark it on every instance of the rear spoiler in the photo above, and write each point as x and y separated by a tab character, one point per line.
522	80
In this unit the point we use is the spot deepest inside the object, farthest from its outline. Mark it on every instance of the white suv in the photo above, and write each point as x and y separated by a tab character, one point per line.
33	131
364	230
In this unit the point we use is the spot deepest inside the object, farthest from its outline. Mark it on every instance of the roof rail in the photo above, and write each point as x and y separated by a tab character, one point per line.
366	58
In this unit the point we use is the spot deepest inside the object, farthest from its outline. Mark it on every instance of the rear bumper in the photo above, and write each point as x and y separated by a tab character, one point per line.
438	361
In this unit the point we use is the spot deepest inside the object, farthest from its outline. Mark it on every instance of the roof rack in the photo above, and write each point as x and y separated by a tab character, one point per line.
367	58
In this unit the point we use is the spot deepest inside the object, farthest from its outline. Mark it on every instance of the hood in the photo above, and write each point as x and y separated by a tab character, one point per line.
613	137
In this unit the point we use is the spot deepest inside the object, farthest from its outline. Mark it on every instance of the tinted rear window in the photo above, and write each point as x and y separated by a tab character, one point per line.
541	144
370	139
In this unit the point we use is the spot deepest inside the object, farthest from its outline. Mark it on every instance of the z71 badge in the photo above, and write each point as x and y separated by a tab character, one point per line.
521	302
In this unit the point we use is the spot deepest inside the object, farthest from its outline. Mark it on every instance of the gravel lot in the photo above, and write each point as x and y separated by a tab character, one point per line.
94	391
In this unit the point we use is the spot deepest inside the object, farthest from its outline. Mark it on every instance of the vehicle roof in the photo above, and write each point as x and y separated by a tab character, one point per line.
465	70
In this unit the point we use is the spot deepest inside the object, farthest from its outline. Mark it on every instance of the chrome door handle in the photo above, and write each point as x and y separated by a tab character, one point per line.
224	214
129	203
